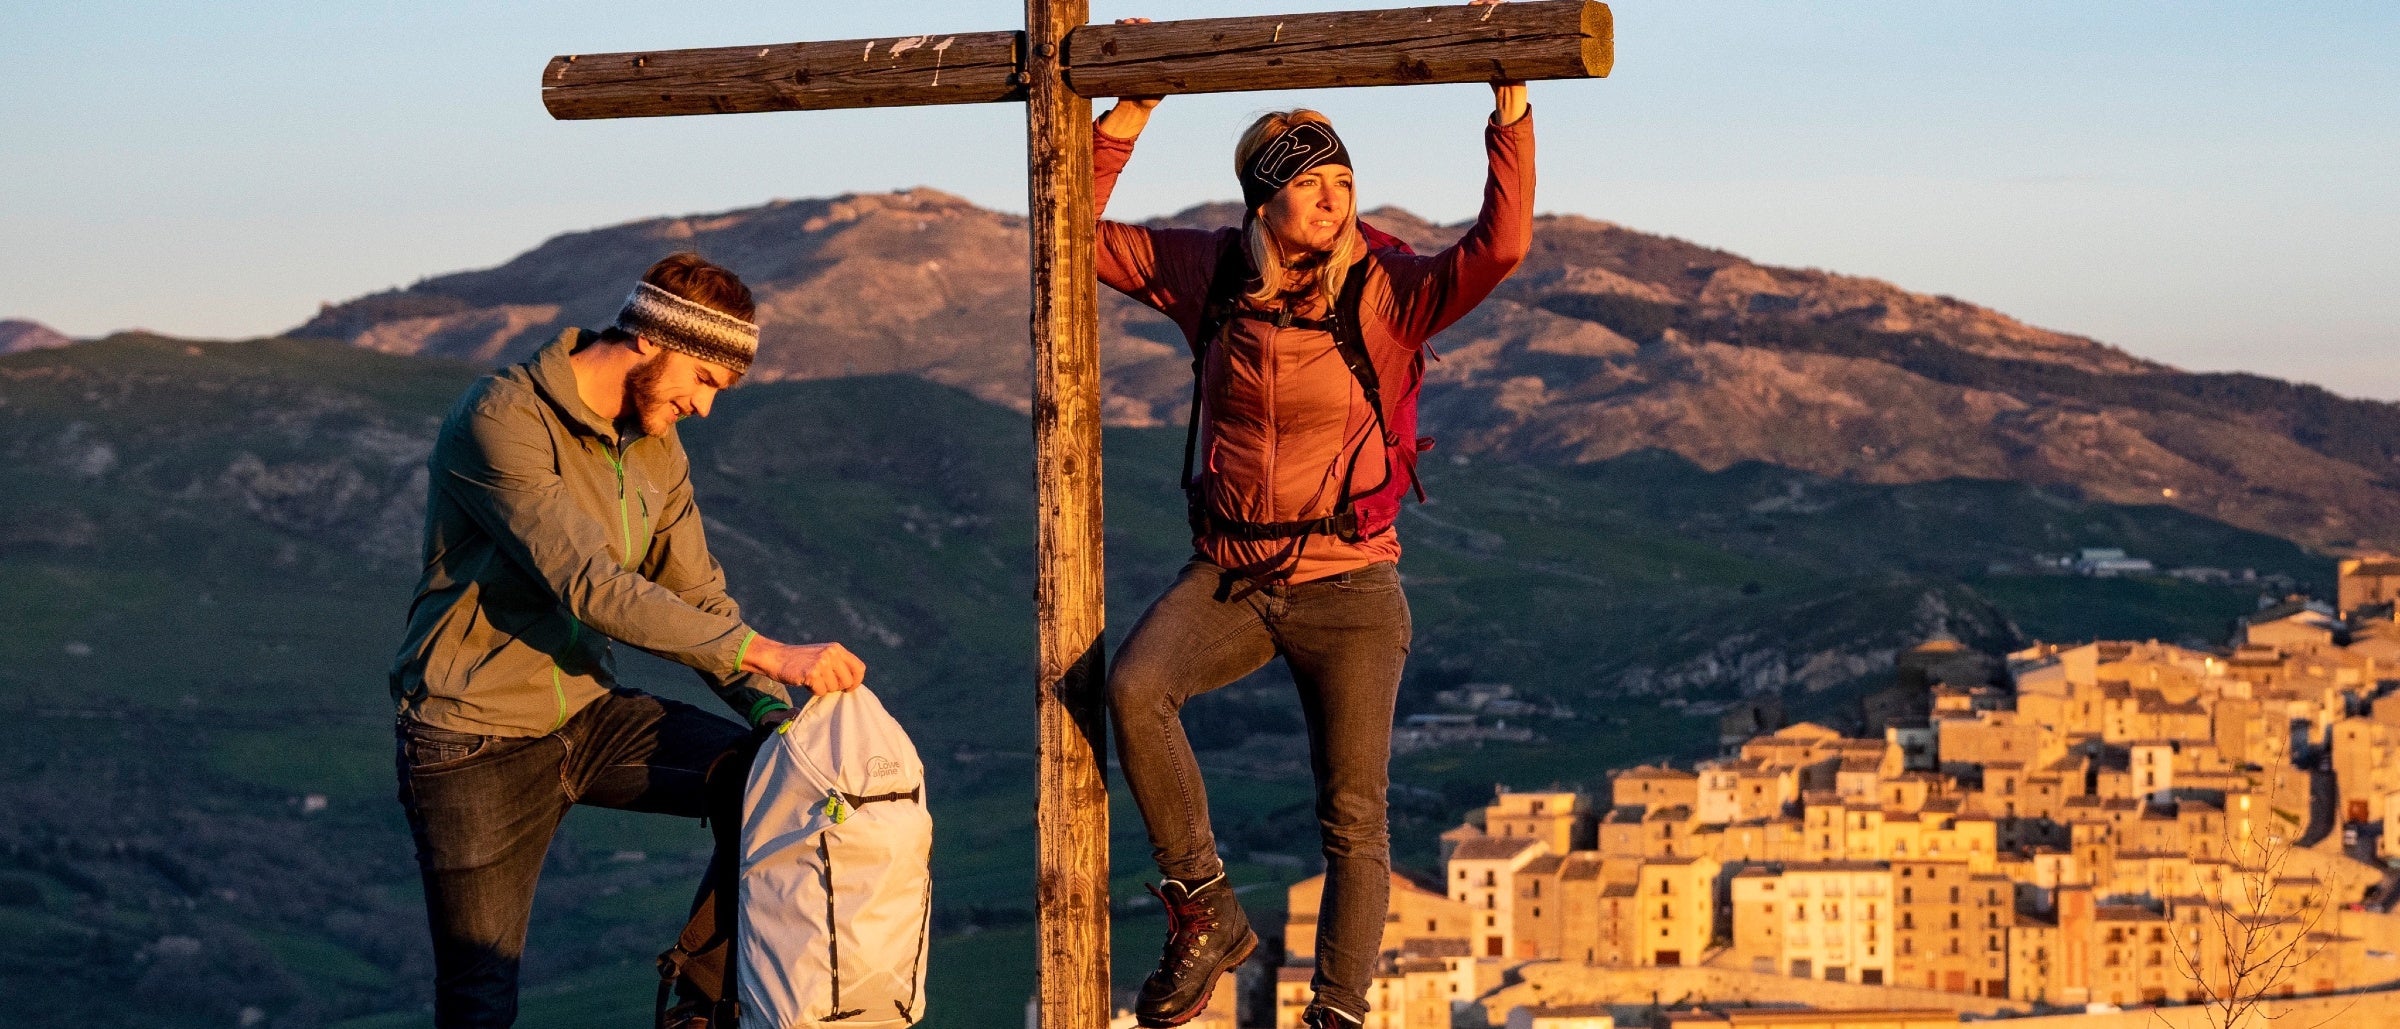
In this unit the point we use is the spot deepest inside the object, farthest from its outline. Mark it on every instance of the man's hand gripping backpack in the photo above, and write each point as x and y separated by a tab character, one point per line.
825	824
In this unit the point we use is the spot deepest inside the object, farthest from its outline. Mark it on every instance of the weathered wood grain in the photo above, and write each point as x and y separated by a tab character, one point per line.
1545	39
1071	805
899	71
1550	39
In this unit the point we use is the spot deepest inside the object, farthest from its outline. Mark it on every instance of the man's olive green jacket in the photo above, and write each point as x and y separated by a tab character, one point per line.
548	534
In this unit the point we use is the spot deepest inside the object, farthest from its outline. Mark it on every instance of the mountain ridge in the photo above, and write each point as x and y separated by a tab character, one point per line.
1607	341
18	335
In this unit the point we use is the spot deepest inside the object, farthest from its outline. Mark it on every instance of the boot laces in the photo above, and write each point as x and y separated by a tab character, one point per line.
1189	921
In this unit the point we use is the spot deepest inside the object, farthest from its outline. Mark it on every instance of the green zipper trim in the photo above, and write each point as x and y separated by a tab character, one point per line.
624	523
558	688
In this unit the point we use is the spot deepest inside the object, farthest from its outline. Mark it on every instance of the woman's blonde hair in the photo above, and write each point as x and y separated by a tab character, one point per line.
1264	254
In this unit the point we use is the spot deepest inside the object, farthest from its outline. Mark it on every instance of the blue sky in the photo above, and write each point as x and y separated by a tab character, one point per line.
2212	185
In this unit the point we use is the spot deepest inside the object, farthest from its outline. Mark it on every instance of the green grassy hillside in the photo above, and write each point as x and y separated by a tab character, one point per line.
207	549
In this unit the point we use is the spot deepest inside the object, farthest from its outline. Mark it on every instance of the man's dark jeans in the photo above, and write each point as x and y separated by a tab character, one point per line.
483	809
1345	640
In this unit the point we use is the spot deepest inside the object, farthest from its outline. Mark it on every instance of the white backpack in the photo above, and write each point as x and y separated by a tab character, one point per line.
836	902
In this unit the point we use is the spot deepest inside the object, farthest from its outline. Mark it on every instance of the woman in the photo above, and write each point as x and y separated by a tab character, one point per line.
1298	458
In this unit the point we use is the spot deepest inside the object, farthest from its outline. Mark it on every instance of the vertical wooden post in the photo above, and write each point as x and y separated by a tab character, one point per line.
1071	807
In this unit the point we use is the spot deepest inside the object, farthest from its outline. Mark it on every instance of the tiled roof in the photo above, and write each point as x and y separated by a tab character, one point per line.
1436	947
1836	866
1492	848
1582	864
1656	772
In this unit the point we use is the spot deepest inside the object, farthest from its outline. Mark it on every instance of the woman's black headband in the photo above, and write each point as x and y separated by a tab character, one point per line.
1297	149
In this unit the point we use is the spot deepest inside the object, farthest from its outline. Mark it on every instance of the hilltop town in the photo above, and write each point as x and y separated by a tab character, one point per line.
2077	831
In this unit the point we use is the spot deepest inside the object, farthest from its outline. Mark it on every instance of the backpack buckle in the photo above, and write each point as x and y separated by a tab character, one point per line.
1345	526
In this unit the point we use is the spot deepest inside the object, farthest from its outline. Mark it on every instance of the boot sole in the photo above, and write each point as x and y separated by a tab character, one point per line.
1232	962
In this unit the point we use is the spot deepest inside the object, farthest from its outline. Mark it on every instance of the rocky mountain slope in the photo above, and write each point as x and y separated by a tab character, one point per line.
1608	341
18	335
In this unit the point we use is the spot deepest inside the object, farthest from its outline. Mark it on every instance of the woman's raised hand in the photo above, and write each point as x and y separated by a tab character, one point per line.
1508	102
1508	97
1131	113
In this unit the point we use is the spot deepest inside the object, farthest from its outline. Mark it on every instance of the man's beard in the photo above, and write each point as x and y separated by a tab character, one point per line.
642	396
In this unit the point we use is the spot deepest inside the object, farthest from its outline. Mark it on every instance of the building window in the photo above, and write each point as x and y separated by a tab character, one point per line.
1666	911
1491	878
1666	886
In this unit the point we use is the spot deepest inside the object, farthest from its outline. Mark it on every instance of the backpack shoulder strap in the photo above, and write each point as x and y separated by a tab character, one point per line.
1349	337
1216	312
1224	295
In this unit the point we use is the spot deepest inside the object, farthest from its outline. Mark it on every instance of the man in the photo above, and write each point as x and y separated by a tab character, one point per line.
560	519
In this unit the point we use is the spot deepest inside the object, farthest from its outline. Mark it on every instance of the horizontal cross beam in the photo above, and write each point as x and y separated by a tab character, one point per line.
1551	39
1546	39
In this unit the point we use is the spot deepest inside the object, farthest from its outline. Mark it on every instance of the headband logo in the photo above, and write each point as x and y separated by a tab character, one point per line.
1300	148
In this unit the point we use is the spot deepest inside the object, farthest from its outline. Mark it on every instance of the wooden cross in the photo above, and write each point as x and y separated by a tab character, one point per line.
1055	66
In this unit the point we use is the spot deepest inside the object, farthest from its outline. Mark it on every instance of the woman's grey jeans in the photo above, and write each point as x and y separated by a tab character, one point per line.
1345	640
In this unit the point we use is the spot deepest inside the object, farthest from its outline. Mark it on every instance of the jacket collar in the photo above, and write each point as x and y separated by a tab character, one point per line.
554	376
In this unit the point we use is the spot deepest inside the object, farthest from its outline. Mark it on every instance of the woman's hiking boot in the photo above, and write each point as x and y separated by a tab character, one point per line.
1207	935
